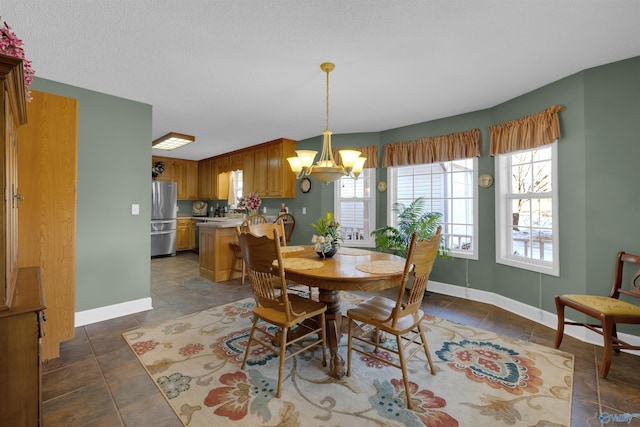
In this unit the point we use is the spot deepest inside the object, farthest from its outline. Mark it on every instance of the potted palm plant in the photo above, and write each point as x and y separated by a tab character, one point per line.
411	218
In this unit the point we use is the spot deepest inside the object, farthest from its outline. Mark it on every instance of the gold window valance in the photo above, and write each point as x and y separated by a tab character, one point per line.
460	145
526	132
370	152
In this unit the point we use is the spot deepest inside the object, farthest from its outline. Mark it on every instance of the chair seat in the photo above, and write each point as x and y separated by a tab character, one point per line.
376	309
303	306
606	305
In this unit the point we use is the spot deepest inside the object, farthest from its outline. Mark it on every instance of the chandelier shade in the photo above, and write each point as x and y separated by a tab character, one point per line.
326	169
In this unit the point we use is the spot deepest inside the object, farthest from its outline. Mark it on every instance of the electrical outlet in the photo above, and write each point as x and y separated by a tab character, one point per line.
304	211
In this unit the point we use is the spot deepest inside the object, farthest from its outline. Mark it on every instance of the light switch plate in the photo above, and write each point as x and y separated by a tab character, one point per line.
135	209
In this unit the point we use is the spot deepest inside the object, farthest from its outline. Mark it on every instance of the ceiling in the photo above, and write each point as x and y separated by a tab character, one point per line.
238	73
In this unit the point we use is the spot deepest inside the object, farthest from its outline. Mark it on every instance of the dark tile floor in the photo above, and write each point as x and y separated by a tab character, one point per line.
97	381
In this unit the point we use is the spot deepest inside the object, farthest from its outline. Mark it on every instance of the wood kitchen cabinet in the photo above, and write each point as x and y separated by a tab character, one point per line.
264	167
208	179
185	235
183	172
169	173
187	179
273	177
235	161
247	171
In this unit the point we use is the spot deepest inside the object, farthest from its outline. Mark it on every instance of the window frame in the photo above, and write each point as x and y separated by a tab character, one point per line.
504	215
370	175
447	223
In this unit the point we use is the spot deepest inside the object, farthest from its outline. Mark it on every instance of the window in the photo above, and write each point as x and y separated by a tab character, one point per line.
448	188
355	208
527	209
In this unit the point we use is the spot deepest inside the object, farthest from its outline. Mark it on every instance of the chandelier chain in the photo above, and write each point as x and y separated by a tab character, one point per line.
327	103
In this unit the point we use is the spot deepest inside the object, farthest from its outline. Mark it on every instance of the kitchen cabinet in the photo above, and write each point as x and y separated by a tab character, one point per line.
187	179
204	179
185	235
169	173
273	177
183	172
215	254
235	161
223	163
47	172
247	171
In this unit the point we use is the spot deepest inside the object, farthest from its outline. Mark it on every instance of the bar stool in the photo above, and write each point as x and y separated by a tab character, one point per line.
237	263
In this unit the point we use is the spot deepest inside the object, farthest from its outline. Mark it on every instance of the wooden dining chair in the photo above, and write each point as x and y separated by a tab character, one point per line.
609	310
266	229
401	317
289	222
237	262
274	306
252	220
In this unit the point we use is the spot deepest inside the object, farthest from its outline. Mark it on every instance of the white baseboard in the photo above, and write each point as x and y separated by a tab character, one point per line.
532	313
112	311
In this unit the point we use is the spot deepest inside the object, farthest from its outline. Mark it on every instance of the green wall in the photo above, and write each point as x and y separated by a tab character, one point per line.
112	246
598	207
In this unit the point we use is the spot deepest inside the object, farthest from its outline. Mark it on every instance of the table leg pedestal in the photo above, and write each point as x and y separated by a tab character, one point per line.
333	330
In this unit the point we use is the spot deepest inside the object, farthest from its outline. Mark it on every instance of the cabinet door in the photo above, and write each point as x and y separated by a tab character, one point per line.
48	148
192	234
247	171
260	171
180	173
204	179
274	171
169	173
191	178
182	234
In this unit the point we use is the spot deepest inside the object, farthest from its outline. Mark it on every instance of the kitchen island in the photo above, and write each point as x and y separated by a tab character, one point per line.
216	255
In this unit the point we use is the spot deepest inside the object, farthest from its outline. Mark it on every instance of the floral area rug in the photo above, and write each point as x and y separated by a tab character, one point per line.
481	378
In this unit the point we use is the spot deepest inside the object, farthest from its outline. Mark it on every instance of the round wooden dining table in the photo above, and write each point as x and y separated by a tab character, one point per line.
338	273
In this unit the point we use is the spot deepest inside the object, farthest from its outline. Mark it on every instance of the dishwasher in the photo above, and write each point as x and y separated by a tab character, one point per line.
197	231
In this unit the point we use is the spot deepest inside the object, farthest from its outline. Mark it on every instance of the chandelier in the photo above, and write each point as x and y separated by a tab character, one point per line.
326	169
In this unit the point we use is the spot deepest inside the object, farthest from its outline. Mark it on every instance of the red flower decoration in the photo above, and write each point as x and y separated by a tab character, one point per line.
11	45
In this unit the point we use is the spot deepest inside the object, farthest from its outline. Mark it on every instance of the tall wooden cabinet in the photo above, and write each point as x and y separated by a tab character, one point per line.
47	172
21	295
273	177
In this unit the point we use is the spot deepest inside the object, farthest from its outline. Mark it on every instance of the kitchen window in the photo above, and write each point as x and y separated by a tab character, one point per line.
448	188
355	208
527	209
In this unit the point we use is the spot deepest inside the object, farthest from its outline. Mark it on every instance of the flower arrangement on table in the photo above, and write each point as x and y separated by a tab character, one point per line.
11	45
328	241
251	202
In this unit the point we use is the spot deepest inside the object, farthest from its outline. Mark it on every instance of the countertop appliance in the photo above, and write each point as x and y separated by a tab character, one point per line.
164	210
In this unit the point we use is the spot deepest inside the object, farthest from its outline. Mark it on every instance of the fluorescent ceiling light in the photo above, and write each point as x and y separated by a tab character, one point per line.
172	140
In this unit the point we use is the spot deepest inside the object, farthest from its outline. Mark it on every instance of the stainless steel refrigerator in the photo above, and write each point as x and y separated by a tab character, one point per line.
164	209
